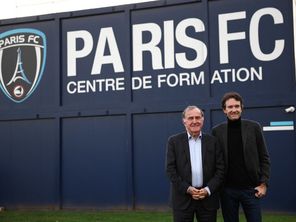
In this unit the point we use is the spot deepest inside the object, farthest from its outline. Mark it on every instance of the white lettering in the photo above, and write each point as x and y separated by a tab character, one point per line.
169	56
73	53
16	39
232	75
107	37
144	82
97	85
254	34
33	38
139	46
198	46
169	45
225	36
181	79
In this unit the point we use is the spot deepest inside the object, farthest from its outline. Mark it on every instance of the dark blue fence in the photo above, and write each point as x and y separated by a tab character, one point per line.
89	98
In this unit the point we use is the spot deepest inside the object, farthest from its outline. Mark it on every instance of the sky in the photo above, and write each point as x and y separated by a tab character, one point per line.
23	8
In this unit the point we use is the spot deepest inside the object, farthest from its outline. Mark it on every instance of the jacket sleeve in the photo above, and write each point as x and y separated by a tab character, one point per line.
264	160
173	169
217	179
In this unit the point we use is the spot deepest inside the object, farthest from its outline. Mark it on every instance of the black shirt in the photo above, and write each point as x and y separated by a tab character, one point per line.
237	175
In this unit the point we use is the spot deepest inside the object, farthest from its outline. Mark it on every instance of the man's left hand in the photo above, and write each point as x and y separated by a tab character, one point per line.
261	190
201	194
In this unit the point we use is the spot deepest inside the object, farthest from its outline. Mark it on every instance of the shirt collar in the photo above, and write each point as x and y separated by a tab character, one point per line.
190	137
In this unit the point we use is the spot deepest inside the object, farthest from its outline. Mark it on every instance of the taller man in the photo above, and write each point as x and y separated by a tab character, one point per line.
247	163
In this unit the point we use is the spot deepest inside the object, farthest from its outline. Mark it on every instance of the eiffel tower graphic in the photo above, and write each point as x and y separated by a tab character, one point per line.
19	71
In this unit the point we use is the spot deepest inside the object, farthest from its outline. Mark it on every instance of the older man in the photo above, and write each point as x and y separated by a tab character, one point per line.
195	167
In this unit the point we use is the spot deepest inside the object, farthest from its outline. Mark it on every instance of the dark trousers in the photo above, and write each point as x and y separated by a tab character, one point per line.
231	199
196	209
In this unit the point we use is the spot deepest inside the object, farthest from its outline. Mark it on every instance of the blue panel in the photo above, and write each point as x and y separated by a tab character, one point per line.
110	83
151	132
170	81
237	73
94	165
29	164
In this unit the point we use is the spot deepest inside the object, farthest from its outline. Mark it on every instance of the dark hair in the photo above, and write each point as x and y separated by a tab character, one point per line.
231	95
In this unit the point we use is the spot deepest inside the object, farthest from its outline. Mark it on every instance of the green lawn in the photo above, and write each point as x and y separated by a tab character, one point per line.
116	216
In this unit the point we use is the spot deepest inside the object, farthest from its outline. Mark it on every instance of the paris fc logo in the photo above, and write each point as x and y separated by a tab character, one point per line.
22	62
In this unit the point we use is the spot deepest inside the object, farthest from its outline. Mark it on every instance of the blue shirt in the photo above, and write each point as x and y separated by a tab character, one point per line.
196	160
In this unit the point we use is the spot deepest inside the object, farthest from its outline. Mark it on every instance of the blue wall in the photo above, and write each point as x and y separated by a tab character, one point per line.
64	147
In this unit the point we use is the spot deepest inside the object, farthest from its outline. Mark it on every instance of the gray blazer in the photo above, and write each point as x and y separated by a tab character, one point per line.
178	169
256	156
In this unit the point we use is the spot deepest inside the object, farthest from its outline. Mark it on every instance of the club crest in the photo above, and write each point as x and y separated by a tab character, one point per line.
22	62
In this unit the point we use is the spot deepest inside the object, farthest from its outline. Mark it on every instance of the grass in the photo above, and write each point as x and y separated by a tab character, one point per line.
110	216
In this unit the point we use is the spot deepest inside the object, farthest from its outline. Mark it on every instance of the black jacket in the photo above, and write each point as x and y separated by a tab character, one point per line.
256	156
178	169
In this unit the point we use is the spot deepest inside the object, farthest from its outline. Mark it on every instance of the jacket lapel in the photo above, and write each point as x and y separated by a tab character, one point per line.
244	133
224	141
186	146
203	149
